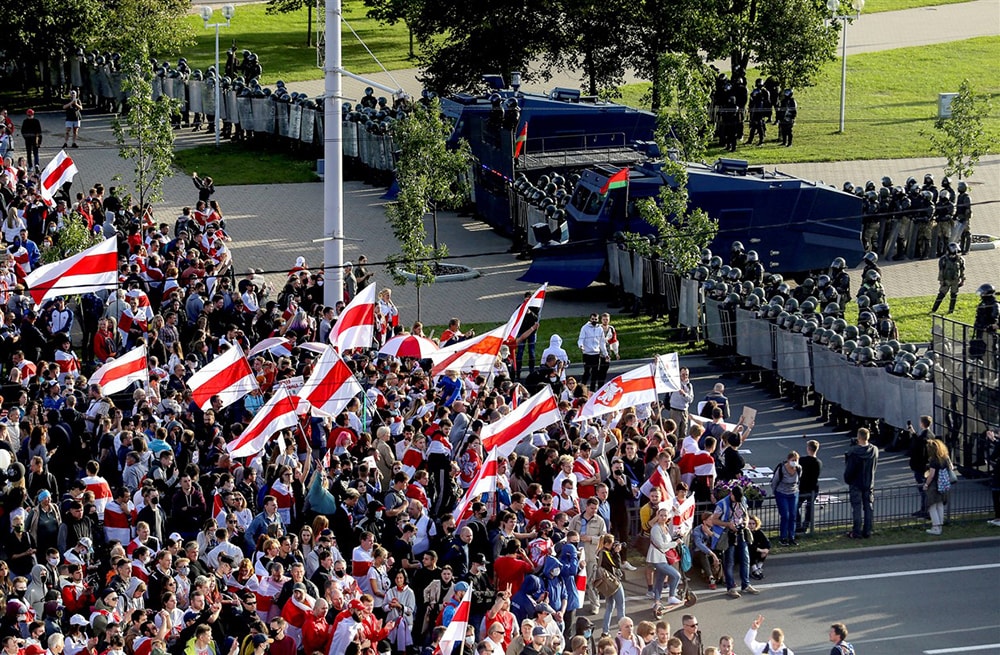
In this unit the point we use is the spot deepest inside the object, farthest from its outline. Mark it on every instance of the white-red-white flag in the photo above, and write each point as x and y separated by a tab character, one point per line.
484	482
537	413
275	345
627	390
534	301
331	385
228	376
355	327
93	269
218	510
277	414
58	172
659	479
102	493
118	374
581	586
668	373
475	354
454	633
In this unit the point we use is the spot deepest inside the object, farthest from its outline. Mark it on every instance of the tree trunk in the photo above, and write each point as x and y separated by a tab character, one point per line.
434	225
657	81
418	299
309	23
588	65
410	30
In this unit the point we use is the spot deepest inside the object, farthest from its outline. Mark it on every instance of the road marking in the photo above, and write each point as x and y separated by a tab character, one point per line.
791	435
876	576
963	649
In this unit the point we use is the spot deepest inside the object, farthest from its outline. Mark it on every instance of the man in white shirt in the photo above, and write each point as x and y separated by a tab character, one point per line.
593	343
776	644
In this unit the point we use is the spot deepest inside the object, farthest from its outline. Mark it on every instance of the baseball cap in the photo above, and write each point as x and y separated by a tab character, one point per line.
30	112
298	586
356	606
538	631
76	619
542	607
190	616
462	586
259	639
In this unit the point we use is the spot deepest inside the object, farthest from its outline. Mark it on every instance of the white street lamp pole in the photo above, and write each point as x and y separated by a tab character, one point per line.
206	15
834	7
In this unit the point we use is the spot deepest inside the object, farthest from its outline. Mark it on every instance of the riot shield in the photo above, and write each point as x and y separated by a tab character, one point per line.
744	342
614	274
208	97
876	388
956	232
892	405
298	116
75	73
687	310
281	111
259	119
244	108
196	96
269	115
713	322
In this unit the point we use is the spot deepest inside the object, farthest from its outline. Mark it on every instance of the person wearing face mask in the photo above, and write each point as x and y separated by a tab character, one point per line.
19	546
481	588
38	586
401	605
52	562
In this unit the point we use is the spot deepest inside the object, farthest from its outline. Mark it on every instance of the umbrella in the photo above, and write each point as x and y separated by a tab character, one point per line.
408	345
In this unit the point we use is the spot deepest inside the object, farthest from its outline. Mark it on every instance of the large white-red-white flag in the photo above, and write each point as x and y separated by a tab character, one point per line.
355	327
118	374
475	354
659	479
281	346
278	413
537	413
59	171
90	270
454	633
534	301
627	390
228	376
484	482
102	493
331	386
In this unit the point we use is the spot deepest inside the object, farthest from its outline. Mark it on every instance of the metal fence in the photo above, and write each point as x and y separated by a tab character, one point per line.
894	507
967	402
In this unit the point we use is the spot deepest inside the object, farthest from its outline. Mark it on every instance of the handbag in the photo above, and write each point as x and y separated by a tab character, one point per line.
686	562
952	475
605	582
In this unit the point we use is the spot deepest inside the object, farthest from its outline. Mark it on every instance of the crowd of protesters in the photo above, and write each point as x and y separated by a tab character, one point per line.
130	529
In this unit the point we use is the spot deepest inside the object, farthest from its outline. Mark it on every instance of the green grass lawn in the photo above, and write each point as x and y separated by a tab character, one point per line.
876	6
890	100
280	42
639	337
235	163
912	317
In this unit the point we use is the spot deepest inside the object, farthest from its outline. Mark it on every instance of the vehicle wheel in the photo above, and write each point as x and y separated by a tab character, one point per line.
690	599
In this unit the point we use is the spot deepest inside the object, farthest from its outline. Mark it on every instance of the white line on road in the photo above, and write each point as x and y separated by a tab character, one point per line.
963	649
876	576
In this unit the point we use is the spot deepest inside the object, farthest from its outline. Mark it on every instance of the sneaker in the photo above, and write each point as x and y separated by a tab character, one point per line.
793	542
851	535
934	531
674	600
711	583
76	145
783	542
628	566
732	593
750	590
995	522
649	595
65	145
756	575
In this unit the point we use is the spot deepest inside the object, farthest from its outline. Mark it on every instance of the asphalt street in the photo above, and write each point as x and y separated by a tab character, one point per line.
920	599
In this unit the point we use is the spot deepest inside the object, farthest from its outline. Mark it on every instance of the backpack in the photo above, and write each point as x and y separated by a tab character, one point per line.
845	648
767	649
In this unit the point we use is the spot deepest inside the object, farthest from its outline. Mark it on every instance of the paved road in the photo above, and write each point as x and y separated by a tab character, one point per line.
911	599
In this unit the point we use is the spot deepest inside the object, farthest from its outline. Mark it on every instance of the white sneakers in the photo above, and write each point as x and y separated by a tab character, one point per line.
674	600
628	566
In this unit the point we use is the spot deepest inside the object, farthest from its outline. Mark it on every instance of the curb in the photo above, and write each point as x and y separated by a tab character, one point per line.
470	274
970	541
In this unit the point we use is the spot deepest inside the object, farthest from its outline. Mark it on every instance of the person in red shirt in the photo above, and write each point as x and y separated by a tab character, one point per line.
510	568
282	644
544	513
500	613
316	632
372	629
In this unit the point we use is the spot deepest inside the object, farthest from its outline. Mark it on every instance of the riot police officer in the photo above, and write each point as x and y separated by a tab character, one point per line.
963	217
760	109
884	323
841	280
730	123
789	112
754	270
944	214
922	218
987	312
951	275
737	256
929	186
893	229
871	288
869	221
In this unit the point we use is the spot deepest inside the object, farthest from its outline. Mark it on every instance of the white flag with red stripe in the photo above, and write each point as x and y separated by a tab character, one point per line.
276	345
659	479
91	270
58	172
102	493
537	413
218	510
118	374
534	301
484	482
331	386
454	633
581	586
627	390
475	354
228	376
355	327
277	414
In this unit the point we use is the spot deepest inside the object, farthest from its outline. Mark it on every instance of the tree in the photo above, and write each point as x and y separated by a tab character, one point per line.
584	44
792	39
74	237
144	133
391	12
288	6
962	138
683	123
136	28
431	176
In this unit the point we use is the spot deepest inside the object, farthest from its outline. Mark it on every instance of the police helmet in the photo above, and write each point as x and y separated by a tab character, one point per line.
759	292
782	316
848	346
700	273
901	369
885	353
962	187
818	335
838	264
823	281
871	196
864	354
944	196
737	247
752	256
557	179
928	179
808	307
953	248
886	181
751	302
776	279
897	190
715	263
859	192
724	271
830	295
869	185
851	332
881	309
706	256
920	371
908	348
863	302
848	187
946	182
866	318
839	325
894	344
871	258
910	181
986	289
831	311
746	287
722	288
927	195
734	274
791	305
864	341
872	275
883	192
798	324
788	93
369	91
733	299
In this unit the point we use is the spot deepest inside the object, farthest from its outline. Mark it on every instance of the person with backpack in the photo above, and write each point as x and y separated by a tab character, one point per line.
775	645
861	460
838	635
